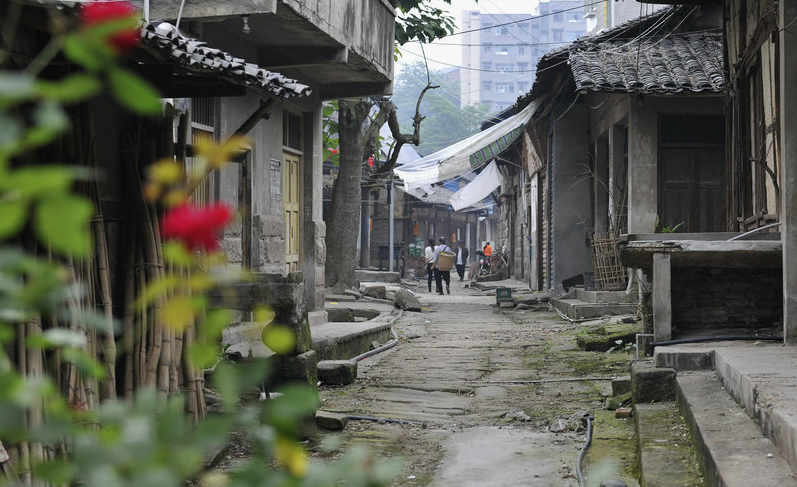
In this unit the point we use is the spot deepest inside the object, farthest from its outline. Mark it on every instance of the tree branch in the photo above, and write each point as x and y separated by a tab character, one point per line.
401	139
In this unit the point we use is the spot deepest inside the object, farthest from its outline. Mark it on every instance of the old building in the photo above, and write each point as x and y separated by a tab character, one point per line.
500	51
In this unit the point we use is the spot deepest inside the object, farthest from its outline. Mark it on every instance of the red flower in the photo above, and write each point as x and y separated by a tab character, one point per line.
98	12
333	151
196	227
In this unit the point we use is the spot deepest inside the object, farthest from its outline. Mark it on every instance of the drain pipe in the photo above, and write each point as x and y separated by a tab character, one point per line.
392	343
579	473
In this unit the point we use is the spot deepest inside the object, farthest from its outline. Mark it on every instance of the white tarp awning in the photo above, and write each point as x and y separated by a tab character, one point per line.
478	189
429	194
466	154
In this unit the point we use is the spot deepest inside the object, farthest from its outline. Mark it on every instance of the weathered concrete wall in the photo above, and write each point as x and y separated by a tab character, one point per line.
571	196
268	232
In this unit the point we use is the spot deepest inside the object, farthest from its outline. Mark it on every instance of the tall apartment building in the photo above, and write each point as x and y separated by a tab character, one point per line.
500	51
606	14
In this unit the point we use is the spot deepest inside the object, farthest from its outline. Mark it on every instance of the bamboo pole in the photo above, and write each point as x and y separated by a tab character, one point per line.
129	316
108	356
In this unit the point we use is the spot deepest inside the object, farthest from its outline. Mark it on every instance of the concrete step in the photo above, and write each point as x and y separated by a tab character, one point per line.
666	455
613	453
576	309
342	341
605	296
732	448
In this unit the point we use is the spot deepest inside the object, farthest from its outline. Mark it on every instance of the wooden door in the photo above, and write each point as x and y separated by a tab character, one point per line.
692	189
291	194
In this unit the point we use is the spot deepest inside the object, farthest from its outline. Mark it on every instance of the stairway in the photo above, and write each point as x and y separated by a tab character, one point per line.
740	405
580	304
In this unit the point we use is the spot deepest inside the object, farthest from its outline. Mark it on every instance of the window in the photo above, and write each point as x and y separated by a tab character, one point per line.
487	66
487	85
523	27
522	86
522	66
558	17
502	51
572	35
504	87
557	34
504	67
487	46
521	50
506	30
574	17
292	130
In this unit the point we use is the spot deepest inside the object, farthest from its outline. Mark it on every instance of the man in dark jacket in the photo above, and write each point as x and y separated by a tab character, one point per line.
462	260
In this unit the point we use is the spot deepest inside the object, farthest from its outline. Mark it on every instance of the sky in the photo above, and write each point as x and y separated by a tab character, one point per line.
441	54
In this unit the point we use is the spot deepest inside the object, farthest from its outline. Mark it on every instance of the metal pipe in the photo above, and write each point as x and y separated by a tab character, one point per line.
579	473
392	343
754	231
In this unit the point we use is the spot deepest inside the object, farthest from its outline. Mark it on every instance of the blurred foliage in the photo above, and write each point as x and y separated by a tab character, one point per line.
149	440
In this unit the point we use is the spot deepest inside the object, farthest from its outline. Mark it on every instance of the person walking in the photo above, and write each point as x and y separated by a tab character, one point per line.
462	260
429	256
439	274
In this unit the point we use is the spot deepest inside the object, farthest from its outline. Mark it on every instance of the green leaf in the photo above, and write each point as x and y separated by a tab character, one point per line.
176	253
56	472
178	313
38	180
13	215
15	87
84	362
11	129
156	289
133	92
203	355
70	89
280	339
62	222
87	51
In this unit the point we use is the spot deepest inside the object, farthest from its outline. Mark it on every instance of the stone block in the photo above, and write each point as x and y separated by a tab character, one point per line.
378	292
407	301
283	294
650	383
232	249
338	315
268	226
337	372
298	368
331	421
621	386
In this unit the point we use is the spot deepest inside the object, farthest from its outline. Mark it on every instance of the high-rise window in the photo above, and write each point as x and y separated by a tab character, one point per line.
504	67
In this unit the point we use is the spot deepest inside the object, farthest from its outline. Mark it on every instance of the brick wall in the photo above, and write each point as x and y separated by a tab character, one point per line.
711	298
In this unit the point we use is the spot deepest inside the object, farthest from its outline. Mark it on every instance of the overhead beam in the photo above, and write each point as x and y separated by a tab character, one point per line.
357	89
284	57
204	9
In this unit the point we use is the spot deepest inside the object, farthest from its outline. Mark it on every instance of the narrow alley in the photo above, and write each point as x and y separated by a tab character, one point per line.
465	374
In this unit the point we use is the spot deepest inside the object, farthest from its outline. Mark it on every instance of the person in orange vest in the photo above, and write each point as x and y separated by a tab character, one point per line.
488	251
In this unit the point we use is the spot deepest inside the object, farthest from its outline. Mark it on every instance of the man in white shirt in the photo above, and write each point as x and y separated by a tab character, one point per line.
462	260
430	258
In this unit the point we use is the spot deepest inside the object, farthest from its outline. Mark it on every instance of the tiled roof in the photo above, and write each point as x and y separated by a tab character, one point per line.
672	64
165	41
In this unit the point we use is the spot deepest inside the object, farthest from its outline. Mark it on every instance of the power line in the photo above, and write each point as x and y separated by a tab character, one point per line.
526	19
